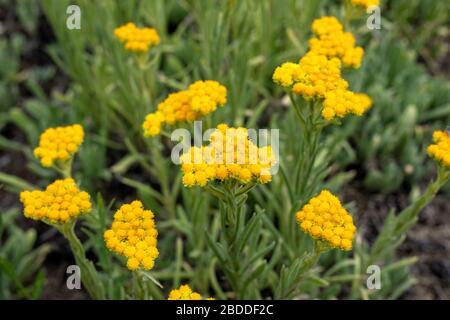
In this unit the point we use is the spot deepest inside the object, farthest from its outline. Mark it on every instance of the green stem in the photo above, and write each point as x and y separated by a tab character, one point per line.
390	236
89	276
64	168
306	263
138	286
412	212
231	217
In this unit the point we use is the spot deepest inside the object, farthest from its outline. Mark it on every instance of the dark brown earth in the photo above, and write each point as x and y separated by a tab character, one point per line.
429	240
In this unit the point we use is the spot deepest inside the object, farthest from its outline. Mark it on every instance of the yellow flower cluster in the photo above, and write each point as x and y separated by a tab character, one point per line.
318	74
440	151
136	39
326	220
133	235
229	155
200	99
59	144
333	42
312	77
185	293
60	202
340	103
365	3
326	25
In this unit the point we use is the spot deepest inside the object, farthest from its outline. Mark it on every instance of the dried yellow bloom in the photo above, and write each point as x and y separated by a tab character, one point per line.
185	293
59	144
137	39
60	202
230	155
333	42
365	3
200	99
133	235
312	77
326	220
339	103
440	150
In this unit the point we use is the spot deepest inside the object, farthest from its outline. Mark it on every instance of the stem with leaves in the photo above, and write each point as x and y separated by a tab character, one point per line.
89	275
235	234
395	227
292	276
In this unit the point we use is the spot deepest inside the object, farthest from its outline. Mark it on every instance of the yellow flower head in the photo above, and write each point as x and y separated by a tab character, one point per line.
440	150
229	155
312	77
200	99
136	39
326	25
340	103
60	202
333	42
365	3
59	144
185	293
133	235
326	220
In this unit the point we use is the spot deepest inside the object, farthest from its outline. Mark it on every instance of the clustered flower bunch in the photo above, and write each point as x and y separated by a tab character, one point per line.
230	155
58	203
333	42
317	76
59	144
136	39
365	3
326	220
440	150
184	292
201	98
133	235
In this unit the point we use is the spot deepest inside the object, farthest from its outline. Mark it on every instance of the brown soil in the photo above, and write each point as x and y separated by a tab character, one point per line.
429	240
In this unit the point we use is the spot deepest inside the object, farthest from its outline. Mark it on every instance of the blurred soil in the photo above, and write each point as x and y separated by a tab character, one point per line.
429	240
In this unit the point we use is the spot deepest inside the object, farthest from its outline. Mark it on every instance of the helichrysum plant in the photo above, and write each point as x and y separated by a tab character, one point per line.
133	235
229	167
200	99
254	255
325	97
61	203
184	292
